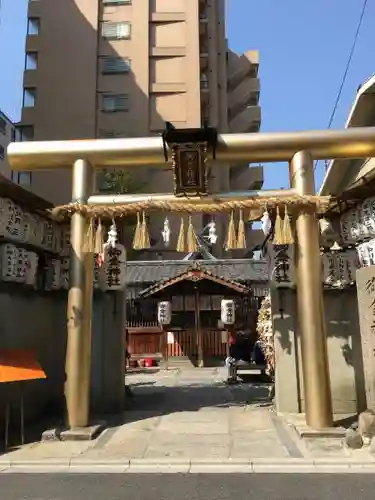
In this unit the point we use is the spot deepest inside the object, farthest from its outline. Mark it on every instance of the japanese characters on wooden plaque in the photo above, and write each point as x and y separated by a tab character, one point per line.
189	169
113	271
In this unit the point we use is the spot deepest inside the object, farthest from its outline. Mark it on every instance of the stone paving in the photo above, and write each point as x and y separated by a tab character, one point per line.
192	414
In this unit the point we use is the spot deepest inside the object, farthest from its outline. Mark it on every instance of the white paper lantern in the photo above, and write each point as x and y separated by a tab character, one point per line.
342	270
65	241
65	267
362	254
368	217
48	235
56	274
5	205
345	229
355	230
15	226
31	268
9	256
328	235
21	265
352	264
228	314
371	252
329	269
164	313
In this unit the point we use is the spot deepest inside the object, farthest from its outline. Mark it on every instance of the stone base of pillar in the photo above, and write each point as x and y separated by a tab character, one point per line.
88	433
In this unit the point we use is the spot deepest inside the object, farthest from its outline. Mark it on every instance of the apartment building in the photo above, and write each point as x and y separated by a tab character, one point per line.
7	135
122	68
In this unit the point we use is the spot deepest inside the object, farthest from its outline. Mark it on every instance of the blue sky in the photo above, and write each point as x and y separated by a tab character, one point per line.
303	45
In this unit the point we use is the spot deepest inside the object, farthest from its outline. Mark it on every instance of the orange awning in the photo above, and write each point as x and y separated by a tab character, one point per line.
17	365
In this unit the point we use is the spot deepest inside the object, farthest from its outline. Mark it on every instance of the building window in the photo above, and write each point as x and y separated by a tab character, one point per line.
111	134
106	134
114	64
21	178
116	31
204	81
117	2
115	102
2	152
31	60
29	97
3	126
33	26
24	133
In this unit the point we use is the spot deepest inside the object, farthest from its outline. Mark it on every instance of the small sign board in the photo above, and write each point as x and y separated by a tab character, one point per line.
190	177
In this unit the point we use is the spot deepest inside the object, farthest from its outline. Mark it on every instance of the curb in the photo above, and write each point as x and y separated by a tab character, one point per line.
184	466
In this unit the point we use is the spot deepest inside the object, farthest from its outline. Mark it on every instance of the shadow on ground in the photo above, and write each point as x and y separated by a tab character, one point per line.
152	400
151	396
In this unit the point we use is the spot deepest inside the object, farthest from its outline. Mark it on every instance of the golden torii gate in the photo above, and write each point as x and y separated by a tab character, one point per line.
300	149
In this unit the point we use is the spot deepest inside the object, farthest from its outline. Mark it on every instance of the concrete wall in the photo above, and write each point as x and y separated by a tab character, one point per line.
344	350
108	353
29	320
366	305
6	136
35	321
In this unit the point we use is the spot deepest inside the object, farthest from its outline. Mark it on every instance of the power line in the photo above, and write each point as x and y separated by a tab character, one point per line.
354	44
348	63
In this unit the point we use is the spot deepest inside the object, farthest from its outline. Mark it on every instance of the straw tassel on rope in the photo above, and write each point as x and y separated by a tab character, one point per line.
181	237
278	235
88	244
137	234
287	229
192	244
241	236
145	237
99	238
231	243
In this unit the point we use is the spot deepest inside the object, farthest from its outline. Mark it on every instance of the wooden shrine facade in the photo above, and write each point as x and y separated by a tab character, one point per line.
195	290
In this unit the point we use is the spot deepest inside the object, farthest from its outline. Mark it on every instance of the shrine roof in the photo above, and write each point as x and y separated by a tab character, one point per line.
195	274
22	196
239	270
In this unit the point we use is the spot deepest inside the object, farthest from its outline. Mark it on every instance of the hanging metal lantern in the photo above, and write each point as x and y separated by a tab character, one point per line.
228	313
164	313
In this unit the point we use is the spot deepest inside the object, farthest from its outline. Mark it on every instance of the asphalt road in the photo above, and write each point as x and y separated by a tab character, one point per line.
186	487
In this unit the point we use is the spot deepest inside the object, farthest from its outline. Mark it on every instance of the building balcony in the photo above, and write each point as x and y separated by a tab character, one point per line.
28	115
245	94
255	238
168	51
205	88
203	26
34	8
248	120
204	59
30	78
241	66
167	87
32	43
243	177
167	17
